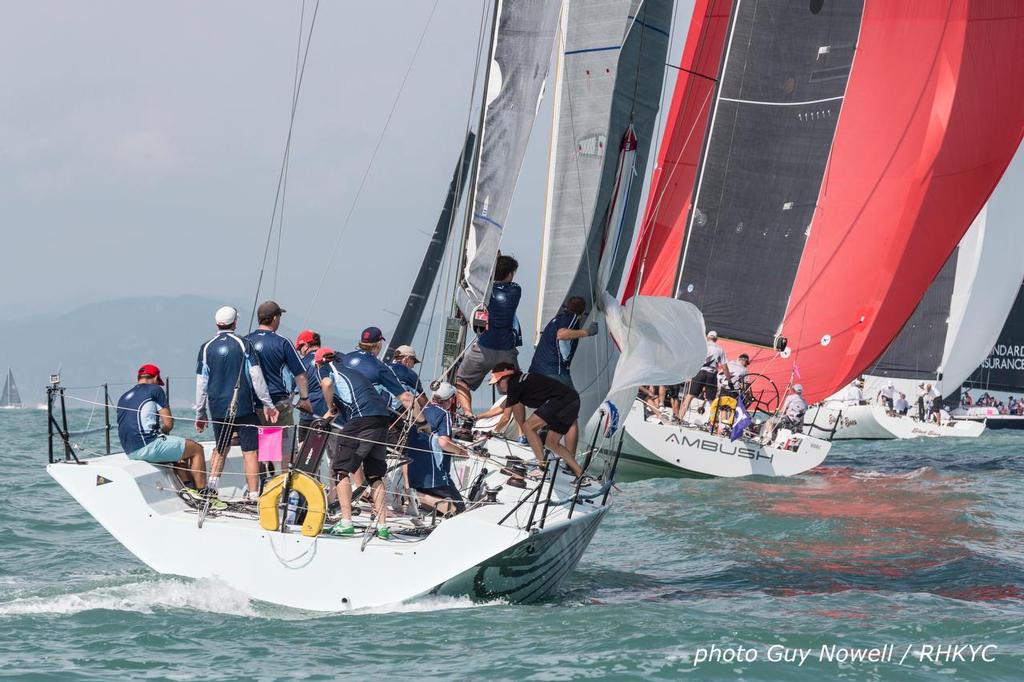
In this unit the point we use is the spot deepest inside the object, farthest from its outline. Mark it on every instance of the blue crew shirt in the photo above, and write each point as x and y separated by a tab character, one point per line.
279	361
223	361
553	357
503	331
316	394
370	366
138	418
431	465
354	395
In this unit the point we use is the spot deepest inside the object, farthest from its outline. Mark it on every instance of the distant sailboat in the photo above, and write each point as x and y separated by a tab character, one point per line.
10	399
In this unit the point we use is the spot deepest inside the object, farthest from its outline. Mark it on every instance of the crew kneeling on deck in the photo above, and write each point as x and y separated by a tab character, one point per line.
144	424
557	408
364	417
430	471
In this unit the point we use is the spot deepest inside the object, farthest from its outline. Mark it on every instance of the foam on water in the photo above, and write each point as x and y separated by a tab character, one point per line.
426	605
143	597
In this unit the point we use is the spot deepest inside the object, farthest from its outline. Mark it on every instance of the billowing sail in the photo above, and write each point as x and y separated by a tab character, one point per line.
519	64
1003	369
405	331
590	42
817	189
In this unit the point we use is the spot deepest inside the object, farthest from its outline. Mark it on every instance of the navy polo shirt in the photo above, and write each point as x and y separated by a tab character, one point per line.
353	393
138	419
316	394
431	469
370	366
502	326
222	360
553	357
279	361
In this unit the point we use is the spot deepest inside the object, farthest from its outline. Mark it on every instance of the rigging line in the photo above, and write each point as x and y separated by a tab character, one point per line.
698	74
369	166
287	161
284	161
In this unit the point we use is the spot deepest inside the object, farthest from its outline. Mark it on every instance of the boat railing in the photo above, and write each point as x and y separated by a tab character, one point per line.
831	431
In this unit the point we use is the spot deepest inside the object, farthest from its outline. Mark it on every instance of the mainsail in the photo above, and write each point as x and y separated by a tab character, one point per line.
520	57
1003	369
10	396
816	190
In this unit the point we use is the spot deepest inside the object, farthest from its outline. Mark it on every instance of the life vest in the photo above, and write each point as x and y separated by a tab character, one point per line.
303	484
727	406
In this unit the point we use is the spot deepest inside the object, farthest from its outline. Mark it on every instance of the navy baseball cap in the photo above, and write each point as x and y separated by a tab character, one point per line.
371	335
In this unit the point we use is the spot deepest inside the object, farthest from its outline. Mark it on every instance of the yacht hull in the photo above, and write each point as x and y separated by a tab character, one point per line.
872	422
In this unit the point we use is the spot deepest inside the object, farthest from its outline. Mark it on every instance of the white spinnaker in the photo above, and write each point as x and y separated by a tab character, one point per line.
991	275
519	66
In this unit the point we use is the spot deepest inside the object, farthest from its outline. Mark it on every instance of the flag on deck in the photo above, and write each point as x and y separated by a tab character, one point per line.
741	421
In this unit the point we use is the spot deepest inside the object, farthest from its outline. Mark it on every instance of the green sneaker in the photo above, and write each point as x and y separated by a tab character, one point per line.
216	504
339	529
384	533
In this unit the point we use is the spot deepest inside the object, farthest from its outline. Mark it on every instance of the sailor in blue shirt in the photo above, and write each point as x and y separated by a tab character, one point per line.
430	466
362	440
557	346
307	343
229	383
503	336
402	365
365	361
282	367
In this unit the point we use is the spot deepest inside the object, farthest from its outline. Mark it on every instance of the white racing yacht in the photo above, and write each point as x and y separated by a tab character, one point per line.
875	421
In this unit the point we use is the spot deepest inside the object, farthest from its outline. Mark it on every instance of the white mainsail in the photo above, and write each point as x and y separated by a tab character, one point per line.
520	58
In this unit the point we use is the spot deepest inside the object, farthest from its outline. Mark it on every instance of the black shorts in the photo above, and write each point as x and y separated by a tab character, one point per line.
704	384
362	442
248	435
559	416
673	392
446	492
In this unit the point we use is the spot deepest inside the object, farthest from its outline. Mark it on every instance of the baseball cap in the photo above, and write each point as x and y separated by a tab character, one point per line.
798	388
712	334
225	315
304	337
444	391
269	309
501	374
371	335
151	371
323	354
407	352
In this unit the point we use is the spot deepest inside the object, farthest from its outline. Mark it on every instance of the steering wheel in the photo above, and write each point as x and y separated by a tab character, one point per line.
760	394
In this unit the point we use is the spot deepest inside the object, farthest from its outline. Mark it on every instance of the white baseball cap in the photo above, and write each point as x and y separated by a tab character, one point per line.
407	352
444	391
225	315
798	388
712	334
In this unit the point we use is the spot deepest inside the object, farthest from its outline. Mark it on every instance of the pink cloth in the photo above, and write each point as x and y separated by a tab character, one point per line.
270	438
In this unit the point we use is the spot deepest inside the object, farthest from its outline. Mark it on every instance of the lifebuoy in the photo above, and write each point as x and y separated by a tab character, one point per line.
305	485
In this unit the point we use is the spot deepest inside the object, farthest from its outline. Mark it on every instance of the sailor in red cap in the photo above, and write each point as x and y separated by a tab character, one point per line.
144	424
307	343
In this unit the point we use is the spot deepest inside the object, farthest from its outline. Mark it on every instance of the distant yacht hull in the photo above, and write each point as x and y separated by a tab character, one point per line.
651	449
873	422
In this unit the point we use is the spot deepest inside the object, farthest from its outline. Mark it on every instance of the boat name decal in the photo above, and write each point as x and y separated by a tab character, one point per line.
715	446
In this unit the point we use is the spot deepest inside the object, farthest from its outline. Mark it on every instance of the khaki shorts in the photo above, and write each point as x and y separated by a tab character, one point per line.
477	363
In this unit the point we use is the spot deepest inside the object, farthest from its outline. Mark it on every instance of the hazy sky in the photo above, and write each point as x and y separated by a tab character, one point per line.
140	145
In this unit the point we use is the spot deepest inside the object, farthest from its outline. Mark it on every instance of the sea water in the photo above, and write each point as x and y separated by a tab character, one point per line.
899	547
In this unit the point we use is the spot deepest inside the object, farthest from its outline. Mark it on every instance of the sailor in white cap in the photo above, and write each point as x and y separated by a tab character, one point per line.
705	383
887	394
402	364
793	409
431	455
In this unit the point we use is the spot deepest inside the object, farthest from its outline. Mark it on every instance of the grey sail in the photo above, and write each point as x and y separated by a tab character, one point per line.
635	101
10	396
521	54
427	275
592	34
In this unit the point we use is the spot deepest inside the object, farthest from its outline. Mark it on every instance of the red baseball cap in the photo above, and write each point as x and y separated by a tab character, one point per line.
151	371
321	355
304	337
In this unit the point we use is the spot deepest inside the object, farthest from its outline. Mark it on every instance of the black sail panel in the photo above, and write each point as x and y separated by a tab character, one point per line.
784	74
916	352
1003	369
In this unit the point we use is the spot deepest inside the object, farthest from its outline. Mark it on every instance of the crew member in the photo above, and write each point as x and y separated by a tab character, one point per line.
364	417
886	395
403	365
557	407
499	343
733	377
705	383
144	424
854	394
307	343
430	469
901	406
793	410
364	359
281	367
557	345
229	383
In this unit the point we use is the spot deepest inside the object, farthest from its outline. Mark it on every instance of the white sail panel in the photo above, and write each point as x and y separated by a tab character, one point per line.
519	65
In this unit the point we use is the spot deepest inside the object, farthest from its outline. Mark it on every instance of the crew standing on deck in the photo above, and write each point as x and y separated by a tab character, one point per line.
500	342
403	364
705	383
229	388
281	367
307	343
557	345
364	359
